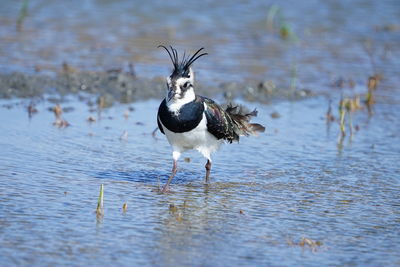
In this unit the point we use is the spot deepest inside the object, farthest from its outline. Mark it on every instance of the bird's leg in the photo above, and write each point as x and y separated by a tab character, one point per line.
208	170
166	186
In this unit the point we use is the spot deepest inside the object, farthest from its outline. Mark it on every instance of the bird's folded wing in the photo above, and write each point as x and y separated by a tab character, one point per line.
219	123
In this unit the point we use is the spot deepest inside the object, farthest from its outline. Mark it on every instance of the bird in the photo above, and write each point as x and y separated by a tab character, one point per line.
193	122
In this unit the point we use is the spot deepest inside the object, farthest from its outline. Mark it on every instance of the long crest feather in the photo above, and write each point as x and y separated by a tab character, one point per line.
182	68
170	56
195	57
176	58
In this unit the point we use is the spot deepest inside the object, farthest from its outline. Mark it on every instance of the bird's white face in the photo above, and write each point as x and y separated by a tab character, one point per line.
180	91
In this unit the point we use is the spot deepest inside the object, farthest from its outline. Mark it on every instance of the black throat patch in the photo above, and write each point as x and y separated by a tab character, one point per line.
188	118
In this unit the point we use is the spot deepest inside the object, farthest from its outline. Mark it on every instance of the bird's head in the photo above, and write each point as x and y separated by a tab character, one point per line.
180	82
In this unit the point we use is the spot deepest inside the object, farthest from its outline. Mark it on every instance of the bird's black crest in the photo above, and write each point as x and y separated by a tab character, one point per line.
182	68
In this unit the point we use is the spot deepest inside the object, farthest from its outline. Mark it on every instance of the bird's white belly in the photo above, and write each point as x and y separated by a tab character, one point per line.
199	138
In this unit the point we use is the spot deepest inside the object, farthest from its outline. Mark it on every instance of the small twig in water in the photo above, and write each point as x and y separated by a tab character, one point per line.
100	203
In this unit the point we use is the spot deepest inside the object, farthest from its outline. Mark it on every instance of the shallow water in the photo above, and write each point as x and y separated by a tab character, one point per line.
266	192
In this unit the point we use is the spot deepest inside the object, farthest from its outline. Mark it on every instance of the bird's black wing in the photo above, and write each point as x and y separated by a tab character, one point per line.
158	117
230	123
219	122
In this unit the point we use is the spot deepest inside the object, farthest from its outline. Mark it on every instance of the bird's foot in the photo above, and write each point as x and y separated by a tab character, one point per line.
162	190
165	189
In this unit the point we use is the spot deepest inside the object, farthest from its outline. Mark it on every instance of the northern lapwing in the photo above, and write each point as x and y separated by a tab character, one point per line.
190	121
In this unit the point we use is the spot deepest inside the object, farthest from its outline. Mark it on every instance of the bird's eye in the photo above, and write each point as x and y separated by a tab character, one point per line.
186	85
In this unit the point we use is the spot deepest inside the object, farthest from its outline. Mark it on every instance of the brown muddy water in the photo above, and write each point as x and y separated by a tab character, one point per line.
296	195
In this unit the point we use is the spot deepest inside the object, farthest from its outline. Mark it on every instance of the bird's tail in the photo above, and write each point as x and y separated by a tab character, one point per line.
241	120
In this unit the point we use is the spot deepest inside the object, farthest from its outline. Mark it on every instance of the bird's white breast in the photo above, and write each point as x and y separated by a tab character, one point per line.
199	138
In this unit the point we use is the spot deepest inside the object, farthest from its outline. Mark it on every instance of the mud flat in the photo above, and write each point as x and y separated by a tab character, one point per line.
125	87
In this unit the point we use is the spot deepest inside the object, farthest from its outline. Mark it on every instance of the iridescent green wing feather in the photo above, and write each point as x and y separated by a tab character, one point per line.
219	122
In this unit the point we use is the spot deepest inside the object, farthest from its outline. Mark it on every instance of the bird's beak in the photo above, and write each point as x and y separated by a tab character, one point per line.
171	94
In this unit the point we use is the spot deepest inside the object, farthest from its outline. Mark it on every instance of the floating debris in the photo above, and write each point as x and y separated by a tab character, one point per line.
313	245
187	159
125	207
306	243
275	115
91	119
100	203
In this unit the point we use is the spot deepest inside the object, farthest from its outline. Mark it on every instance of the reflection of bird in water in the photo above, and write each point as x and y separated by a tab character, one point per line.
190	121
